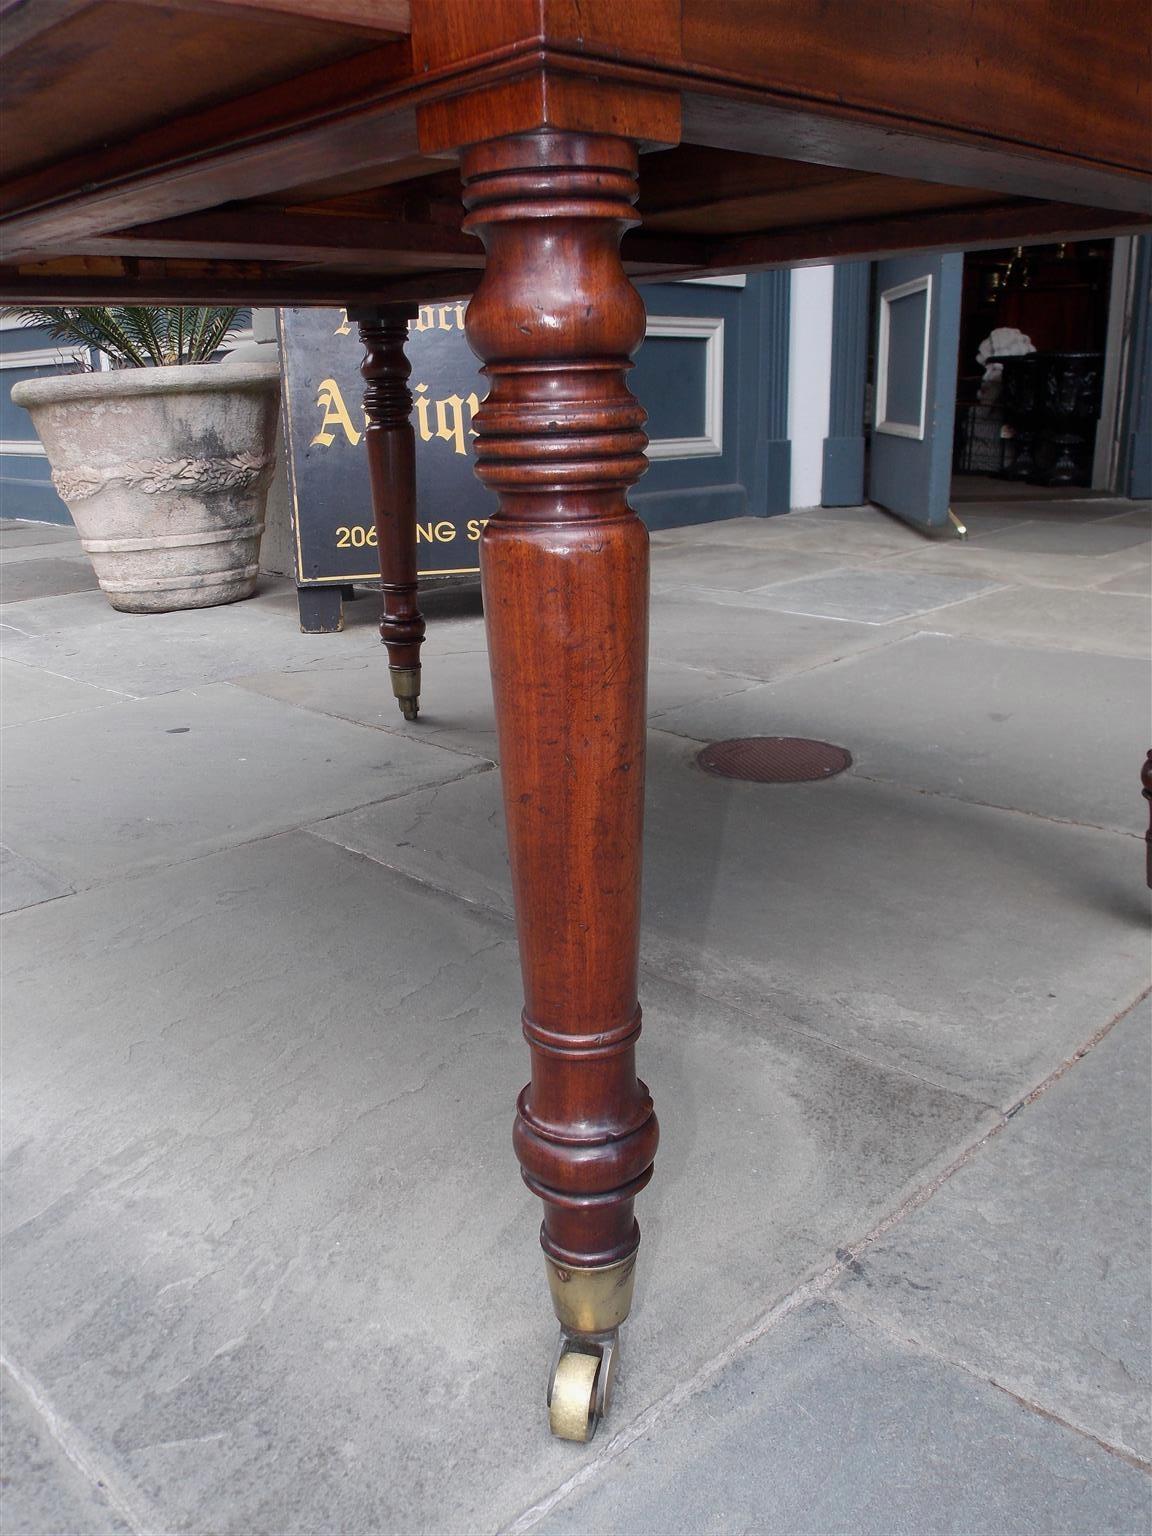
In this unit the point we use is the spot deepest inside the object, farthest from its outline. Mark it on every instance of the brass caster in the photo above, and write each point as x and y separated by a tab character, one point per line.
580	1387
409	708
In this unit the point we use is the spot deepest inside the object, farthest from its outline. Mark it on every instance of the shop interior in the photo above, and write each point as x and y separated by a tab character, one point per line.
1031	375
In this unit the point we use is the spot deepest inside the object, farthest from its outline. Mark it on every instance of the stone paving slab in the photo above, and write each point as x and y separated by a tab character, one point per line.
44	1492
24	884
146	654
1065	510
825	1428
267	1246
455	705
1137	515
876	538
20	535
728	567
739	633
871	596
968	718
146	782
1107	622
456	702
258	1101
11	554
1031	1265
1139	583
850	540
23	579
29	693
974	947
57	615
989	557
1089	541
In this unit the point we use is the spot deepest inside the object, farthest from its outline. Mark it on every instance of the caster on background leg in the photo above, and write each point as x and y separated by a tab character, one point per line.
580	1385
406	687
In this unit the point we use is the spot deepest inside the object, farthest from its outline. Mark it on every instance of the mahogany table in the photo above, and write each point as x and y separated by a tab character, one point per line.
543	153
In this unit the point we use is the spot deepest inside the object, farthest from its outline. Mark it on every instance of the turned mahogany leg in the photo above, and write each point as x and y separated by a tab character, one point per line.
391	447
1146	781
564	564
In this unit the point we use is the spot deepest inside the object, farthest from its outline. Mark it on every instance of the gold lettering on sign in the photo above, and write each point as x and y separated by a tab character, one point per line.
421	402
435	533
439	317
452	424
343	329
450	420
331	402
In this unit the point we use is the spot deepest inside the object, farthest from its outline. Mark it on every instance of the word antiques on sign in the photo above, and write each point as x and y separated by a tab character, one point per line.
335	537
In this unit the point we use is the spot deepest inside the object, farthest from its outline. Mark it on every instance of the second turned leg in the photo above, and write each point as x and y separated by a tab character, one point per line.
391	446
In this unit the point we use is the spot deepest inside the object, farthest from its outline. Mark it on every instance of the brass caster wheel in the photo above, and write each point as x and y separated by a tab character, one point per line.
580	1388
406	689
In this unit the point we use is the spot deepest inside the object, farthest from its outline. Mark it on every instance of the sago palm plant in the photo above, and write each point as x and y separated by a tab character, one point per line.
140	336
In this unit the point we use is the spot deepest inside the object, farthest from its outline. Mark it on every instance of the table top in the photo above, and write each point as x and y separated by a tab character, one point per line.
306	151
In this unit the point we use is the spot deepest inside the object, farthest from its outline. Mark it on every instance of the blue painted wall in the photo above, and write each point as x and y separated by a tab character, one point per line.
26	488
843	480
751	476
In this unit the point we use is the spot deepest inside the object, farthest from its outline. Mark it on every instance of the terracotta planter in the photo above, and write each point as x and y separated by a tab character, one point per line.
165	472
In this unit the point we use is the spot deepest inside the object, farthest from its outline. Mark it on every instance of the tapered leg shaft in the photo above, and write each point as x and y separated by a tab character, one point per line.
564	564
391	446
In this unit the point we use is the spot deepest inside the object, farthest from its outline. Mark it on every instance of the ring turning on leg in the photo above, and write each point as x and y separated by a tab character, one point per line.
564	563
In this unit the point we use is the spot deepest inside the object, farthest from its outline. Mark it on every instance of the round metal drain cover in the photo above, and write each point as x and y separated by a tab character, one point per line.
774	759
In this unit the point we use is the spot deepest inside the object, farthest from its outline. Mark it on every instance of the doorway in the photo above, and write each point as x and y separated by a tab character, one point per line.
1033	392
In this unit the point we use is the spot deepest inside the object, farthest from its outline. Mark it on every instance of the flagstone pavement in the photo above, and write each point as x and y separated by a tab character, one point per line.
269	1269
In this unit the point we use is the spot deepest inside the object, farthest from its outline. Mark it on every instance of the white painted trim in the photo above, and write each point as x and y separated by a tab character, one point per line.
33	449
40	357
733	280
903	291
811	302
1105	456
710	330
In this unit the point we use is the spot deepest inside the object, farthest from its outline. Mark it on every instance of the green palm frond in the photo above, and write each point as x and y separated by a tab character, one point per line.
140	336
146	328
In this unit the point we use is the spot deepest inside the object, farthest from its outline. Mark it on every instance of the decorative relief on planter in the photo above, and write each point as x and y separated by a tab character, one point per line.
165	476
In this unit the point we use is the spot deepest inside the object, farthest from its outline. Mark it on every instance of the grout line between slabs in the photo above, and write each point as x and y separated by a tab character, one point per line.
123	1496
991	805
862	1317
481	766
813	1289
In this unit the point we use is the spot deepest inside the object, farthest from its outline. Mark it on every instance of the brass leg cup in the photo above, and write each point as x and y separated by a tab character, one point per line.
590	1305
406	687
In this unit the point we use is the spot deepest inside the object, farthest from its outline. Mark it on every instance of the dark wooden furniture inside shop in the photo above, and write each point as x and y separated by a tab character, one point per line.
541	155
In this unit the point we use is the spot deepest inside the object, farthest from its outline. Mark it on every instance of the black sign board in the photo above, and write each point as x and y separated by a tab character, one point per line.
320	354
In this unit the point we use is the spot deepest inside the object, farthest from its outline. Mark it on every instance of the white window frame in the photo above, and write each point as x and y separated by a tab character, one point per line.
710	330
41	357
887	298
